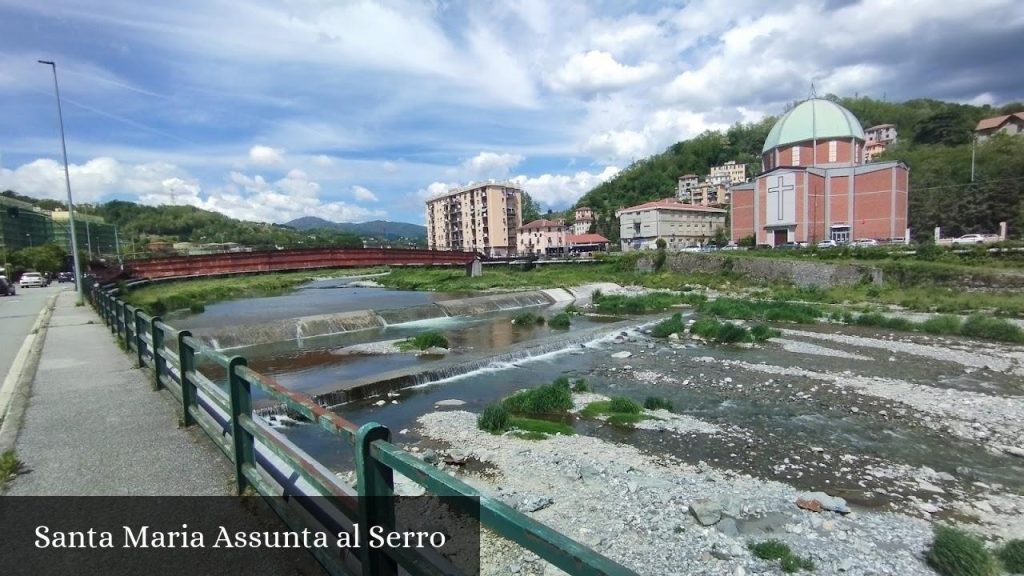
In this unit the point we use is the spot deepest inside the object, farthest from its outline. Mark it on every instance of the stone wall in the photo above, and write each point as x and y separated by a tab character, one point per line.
770	269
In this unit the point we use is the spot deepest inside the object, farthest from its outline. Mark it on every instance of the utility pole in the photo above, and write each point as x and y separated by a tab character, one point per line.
67	182
974	145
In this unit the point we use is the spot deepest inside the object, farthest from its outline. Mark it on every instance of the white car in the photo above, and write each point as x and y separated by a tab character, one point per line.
976	239
31	279
827	244
865	242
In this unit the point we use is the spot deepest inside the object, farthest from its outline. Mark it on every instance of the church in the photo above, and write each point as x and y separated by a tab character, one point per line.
815	186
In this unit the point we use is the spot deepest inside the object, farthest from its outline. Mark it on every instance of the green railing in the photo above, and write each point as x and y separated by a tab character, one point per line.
271	465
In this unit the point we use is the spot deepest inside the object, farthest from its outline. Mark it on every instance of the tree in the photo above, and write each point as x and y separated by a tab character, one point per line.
48	258
531	210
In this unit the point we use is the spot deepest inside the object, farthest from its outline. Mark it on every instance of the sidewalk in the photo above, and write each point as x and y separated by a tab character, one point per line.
94	426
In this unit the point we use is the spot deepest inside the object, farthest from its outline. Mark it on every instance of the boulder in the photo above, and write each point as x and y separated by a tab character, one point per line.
622	354
707	512
818	501
449	402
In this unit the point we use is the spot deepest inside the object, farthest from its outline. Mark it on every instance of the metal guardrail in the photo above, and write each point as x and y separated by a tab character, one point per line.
270	464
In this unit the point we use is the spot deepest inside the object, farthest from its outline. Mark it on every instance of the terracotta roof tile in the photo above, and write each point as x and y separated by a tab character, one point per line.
671	204
542	223
997	121
585	239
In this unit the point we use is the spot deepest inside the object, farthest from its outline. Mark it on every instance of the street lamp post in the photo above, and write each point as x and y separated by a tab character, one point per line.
67	182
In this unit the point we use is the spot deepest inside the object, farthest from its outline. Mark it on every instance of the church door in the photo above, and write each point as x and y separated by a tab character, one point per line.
781	237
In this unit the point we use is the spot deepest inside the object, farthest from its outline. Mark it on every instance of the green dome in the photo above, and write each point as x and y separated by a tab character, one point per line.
813	119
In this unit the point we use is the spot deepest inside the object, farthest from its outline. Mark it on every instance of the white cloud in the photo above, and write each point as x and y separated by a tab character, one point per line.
491	165
595	70
266	156
323	161
433	190
363	194
93	180
560	190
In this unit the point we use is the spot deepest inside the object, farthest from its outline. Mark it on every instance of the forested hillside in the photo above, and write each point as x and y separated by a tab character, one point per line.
934	140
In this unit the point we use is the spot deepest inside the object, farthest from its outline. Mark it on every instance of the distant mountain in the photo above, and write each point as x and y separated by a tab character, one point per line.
375	228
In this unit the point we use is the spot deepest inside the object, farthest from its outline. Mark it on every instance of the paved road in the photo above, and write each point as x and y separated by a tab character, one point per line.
17	315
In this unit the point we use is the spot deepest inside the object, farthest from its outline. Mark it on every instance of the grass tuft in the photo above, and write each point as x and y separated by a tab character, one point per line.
656	403
652	302
623	405
978	326
1012	556
494	419
775	550
548	399
528	319
425	340
767	310
560	321
669	326
580	385
729	333
10	466
957	553
543	427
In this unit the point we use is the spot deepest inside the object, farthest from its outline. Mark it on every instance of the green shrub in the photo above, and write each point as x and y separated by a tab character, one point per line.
494	419
580	385
572	310
548	399
978	326
543	428
1012	556
560	321
768	310
669	326
561	382
196	308
760	333
944	324
623	405
877	320
528	319
652	302
656	403
429	339
957	553
775	550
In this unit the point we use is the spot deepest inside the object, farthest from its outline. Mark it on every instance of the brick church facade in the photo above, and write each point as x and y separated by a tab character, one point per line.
815	186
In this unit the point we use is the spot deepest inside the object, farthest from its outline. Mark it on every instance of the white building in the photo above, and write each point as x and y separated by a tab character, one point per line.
678	223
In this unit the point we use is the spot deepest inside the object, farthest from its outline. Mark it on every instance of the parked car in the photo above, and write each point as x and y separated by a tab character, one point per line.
31	279
788	246
6	287
827	244
63	277
865	243
976	239
731	246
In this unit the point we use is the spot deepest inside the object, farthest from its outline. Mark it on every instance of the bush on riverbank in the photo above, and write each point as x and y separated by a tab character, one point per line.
560	321
957	553
765	310
424	341
528	319
1012	556
644	303
976	326
729	333
656	403
620	411
494	419
549	399
775	550
669	326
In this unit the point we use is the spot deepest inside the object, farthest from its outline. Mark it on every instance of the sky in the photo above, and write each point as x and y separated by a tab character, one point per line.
353	111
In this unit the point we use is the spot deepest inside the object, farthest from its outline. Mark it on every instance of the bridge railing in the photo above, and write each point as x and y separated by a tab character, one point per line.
270	464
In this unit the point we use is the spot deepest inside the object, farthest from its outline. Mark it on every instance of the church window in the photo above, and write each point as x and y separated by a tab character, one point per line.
832	146
796	155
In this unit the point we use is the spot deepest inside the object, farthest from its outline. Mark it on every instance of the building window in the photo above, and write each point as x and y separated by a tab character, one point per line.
796	155
832	152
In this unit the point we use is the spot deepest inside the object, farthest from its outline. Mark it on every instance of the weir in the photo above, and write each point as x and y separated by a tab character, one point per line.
455	367
244	335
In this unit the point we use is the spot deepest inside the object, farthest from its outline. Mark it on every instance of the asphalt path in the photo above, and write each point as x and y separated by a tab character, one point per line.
17	315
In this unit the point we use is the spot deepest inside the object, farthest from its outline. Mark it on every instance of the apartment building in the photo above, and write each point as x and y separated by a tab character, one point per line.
1011	124
585	218
685	185
476	218
728	173
542	237
678	223
883	133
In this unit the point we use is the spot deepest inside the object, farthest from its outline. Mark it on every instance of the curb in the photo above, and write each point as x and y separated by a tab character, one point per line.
17	386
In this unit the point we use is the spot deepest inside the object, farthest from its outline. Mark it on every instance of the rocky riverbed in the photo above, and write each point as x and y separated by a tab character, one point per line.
687	494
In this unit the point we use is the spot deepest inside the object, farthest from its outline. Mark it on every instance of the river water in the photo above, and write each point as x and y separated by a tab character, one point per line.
792	428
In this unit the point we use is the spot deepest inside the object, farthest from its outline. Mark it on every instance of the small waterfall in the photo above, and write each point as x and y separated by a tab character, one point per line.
495	303
395	316
463	368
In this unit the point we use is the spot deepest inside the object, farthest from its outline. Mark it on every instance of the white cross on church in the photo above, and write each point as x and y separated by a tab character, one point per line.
779	190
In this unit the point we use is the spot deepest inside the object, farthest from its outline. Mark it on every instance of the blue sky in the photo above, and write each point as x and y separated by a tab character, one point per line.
359	110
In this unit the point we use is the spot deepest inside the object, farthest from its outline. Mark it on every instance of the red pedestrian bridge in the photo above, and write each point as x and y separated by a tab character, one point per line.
287	260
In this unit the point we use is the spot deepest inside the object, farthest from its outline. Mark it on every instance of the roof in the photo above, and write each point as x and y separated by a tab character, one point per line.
542	223
585	239
688	176
670	204
816	118
997	121
880	127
